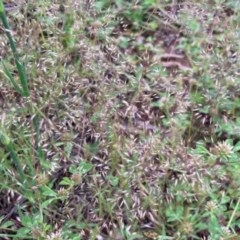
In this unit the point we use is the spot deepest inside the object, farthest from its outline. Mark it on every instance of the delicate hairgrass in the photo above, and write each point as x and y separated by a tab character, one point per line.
23	88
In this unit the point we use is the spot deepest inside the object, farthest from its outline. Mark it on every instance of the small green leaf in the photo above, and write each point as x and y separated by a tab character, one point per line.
47	202
4	138
7	224
22	232
113	180
174	214
85	167
49	192
68	148
26	220
237	147
194	25
149	2
66	182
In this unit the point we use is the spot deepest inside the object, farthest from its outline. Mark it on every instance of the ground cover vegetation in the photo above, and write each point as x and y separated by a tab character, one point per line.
120	119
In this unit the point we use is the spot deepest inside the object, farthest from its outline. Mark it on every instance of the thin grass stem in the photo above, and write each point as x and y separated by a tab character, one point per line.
234	213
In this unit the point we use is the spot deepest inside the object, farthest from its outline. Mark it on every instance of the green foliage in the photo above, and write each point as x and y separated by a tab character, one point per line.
68	40
132	127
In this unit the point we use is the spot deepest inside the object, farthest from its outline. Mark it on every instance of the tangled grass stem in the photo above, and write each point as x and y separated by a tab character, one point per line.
23	90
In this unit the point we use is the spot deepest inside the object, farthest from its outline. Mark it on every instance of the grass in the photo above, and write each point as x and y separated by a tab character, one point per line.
130	127
23	90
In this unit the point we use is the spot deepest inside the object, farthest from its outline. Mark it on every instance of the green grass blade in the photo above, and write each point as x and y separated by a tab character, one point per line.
233	214
38	148
7	143
1	7
23	78
20	68
11	79
16	161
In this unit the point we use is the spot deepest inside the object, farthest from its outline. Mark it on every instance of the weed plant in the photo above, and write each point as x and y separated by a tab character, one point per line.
129	125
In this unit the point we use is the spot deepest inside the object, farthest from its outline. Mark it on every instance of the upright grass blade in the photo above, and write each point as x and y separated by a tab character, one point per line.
11	79
233	214
24	90
8	145
38	148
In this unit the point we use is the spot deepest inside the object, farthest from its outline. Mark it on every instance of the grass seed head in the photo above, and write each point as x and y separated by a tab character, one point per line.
222	149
